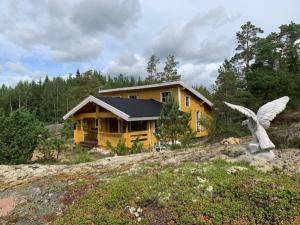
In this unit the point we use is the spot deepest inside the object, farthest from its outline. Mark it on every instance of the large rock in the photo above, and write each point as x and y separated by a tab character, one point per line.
231	141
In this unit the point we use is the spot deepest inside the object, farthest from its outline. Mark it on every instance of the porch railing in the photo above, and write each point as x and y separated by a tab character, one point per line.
129	137
113	138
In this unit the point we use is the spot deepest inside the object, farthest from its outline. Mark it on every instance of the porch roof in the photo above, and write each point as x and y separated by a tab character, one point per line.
127	109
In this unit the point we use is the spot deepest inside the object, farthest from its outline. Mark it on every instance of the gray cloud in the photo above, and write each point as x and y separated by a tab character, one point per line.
114	17
199	40
72	31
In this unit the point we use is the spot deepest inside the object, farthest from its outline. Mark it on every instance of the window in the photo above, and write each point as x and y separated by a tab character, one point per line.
137	126
187	101
198	124
113	125
132	97
165	96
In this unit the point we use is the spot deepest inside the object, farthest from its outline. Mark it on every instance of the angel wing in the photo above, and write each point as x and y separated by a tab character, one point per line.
268	111
247	112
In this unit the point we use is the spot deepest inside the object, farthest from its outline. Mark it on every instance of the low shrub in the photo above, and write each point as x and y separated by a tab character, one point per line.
137	146
81	155
294	142
284	141
51	147
120	149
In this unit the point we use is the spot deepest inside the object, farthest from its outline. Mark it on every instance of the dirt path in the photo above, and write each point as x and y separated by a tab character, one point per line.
36	194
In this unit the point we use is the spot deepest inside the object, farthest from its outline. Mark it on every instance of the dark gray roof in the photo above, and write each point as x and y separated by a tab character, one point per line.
134	107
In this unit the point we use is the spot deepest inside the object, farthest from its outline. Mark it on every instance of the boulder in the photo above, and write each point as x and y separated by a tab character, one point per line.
230	141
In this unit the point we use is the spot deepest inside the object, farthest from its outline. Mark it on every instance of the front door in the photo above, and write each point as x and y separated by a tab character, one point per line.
90	127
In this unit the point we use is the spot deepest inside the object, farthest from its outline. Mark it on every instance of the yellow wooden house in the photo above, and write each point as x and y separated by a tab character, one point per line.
132	112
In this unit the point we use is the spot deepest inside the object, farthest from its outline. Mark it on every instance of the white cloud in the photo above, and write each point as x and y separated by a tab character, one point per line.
128	64
73	31
199	39
204	74
16	71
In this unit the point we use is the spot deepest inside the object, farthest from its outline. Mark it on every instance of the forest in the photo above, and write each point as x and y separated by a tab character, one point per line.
264	67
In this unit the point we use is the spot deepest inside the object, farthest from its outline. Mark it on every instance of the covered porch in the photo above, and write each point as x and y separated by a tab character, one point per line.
91	128
99	121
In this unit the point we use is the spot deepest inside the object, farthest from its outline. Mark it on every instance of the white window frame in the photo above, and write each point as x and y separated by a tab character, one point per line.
198	121
129	96
161	95
189	101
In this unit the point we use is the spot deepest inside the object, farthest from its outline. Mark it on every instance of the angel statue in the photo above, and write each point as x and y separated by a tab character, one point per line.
260	122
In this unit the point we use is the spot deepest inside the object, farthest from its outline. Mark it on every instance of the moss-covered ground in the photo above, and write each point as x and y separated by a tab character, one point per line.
213	192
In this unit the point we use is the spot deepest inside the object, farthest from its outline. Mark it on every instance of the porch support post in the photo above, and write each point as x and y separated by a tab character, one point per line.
119	125
127	134
98	122
149	132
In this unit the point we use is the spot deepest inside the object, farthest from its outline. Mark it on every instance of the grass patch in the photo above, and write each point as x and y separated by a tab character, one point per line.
216	192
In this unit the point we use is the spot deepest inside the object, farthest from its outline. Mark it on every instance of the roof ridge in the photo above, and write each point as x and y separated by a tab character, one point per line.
129	99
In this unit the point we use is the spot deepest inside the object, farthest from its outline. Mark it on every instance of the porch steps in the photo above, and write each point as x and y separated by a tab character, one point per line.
89	144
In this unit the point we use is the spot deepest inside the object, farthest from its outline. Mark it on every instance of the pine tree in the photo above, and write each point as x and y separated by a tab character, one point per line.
170	69
172	124
247	39
152	70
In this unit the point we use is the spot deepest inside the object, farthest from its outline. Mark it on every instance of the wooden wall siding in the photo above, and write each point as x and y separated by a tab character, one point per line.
146	94
196	105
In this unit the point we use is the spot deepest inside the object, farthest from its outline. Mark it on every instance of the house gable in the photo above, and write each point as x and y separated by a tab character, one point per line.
154	91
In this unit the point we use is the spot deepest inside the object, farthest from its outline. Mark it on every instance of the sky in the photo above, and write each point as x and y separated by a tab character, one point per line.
55	37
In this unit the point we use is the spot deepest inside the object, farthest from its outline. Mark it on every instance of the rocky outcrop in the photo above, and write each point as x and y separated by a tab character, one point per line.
35	194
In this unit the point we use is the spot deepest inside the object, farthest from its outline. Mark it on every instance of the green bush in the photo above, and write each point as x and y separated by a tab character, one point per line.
67	129
51	147
294	142
121	148
137	146
283	142
45	148
19	136
81	155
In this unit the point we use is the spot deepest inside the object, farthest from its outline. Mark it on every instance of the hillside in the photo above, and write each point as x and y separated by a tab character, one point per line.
35	194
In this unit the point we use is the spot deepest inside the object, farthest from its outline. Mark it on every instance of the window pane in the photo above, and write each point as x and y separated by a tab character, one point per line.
165	96
198	124
187	101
